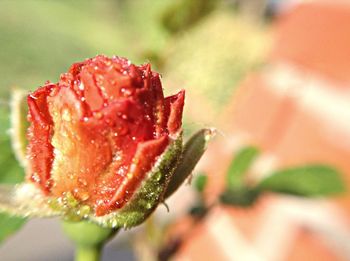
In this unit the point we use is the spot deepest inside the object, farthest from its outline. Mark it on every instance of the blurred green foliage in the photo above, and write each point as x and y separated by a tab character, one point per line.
210	59
11	172
183	14
41	39
200	182
313	180
307	181
9	225
239	166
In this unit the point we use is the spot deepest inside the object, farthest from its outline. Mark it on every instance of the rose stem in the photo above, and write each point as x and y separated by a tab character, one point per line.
84	253
89	238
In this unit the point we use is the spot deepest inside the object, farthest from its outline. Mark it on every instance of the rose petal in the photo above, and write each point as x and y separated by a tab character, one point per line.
174	106
144	159
91	92
40	150
81	149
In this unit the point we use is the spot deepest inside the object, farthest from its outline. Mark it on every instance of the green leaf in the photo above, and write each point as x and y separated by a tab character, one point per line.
200	182
308	181
11	173
239	165
199	210
243	197
9	225
193	151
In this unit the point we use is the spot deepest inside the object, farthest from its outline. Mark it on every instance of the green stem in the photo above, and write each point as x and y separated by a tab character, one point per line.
88	253
88	237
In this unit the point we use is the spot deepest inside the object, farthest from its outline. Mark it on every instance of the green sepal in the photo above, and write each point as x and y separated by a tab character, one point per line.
19	124
150	193
193	151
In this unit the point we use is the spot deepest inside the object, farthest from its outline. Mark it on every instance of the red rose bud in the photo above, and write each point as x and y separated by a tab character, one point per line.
103	145
96	135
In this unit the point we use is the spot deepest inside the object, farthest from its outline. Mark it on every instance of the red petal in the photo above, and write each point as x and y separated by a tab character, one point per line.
40	149
82	149
91	92
145	157
158	105
106	79
173	107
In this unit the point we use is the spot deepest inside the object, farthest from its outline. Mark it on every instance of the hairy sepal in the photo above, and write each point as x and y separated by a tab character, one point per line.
150	193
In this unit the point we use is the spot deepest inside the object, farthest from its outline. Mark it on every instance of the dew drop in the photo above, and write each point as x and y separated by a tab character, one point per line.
55	204
66	116
81	194
84	211
148	205
82	182
122	130
117	157
70	200
98	115
36	177
158	176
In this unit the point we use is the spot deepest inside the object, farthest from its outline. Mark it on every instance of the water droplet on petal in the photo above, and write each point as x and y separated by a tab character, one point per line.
82	182
66	116
81	194
36	177
98	115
